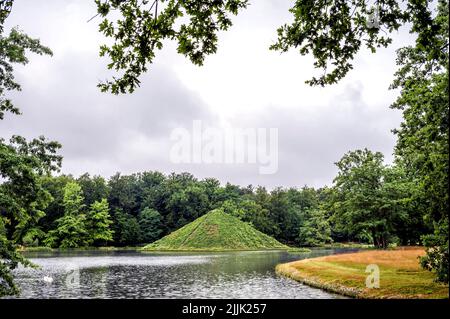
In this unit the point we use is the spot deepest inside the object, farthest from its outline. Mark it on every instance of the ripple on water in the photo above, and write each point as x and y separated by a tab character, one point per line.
230	275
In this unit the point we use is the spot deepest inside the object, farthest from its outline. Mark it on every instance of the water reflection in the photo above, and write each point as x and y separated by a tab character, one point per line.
129	274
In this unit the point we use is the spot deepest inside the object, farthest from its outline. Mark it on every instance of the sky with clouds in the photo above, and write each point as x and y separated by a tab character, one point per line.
244	85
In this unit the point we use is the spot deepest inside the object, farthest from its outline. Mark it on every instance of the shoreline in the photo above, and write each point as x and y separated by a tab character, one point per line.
50	249
290	272
400	275
143	249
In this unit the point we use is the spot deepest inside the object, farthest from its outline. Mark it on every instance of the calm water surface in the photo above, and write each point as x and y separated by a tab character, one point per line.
131	274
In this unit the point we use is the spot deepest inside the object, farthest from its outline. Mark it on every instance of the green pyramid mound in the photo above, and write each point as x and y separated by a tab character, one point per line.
216	231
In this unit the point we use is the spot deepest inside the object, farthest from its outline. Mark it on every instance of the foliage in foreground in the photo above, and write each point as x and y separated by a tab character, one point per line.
333	32
423	136
22	163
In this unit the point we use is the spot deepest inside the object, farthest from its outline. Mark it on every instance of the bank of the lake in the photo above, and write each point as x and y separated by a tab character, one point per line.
400	274
44	249
87	248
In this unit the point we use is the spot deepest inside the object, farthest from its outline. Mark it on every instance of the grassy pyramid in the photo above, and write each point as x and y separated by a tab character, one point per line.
216	231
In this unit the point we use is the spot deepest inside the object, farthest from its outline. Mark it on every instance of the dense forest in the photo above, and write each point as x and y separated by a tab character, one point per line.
369	203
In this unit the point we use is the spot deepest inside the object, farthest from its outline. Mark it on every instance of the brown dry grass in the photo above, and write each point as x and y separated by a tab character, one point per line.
400	274
399	258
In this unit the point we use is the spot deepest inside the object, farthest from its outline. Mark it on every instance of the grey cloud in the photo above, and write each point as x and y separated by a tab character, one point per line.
94	125
310	142
103	134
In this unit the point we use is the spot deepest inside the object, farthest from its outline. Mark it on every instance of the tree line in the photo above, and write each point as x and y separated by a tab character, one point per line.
369	202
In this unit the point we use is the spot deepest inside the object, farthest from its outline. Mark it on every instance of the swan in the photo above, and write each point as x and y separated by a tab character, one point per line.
48	279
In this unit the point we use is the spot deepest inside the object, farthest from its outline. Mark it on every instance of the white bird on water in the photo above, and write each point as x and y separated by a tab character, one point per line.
48	279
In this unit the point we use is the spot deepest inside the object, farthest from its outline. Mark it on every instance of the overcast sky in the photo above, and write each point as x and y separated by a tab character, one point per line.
244	85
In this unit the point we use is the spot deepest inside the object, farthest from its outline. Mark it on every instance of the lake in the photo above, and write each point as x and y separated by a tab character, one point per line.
133	274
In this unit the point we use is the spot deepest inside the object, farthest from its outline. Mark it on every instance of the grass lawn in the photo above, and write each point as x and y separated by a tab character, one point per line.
216	231
400	274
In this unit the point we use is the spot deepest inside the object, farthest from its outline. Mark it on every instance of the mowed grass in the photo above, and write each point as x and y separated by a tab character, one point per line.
215	231
400	274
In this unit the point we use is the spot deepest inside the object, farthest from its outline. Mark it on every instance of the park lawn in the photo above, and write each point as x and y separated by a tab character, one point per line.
400	274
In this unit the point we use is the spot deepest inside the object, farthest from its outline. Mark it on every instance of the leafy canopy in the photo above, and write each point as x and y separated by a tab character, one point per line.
143	26
71	230
423	136
150	224
371	197
13	49
332	31
316	230
99	222
22	163
22	198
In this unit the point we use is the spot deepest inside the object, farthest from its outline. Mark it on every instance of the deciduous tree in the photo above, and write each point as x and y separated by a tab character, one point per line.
22	163
99	223
150	224
71	229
